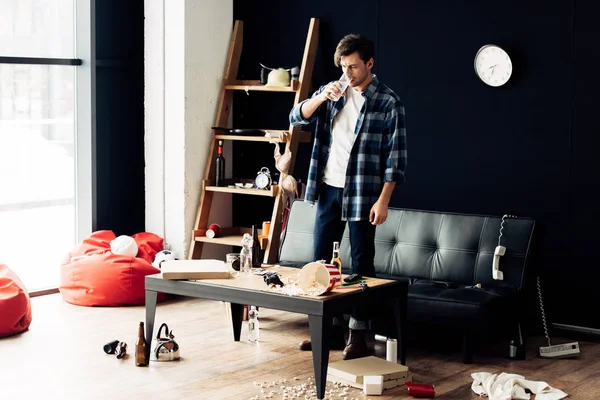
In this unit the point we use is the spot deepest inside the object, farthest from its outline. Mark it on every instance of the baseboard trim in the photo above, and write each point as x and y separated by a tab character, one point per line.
577	331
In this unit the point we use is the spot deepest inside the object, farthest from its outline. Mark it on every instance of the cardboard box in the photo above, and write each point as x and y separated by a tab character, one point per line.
354	370
194	269
390	384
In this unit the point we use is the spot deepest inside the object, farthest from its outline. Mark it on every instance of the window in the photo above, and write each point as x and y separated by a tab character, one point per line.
41	157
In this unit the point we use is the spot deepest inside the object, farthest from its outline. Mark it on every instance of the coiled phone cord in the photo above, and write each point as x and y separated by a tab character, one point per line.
539	285
543	314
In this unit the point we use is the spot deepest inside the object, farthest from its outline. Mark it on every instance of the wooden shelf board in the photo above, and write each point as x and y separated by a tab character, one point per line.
255	85
278	137
254	192
231	236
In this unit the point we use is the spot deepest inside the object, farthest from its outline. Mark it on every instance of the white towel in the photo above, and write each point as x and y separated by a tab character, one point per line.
511	386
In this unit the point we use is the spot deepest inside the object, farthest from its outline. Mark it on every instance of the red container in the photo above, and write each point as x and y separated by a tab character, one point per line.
420	390
213	231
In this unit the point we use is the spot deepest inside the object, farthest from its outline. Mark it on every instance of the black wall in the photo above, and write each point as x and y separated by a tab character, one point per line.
119	152
525	148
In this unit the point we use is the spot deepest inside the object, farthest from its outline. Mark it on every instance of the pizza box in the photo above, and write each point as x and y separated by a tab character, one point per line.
194	269
354	370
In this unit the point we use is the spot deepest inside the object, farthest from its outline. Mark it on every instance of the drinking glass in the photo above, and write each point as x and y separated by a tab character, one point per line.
344	81
233	262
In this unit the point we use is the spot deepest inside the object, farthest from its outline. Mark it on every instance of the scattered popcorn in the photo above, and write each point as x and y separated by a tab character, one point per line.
305	390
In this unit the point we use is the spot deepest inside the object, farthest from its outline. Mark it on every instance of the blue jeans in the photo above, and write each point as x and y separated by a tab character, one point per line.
329	228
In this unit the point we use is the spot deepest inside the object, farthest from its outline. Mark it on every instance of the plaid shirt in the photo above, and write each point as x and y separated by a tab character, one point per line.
378	154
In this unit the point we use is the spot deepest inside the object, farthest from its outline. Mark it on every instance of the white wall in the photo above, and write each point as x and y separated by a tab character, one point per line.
186	44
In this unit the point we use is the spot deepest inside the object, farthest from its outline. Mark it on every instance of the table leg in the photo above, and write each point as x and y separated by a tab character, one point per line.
399	310
237	311
151	297
320	337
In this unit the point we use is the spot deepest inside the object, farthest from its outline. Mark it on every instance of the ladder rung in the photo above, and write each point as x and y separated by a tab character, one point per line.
255	85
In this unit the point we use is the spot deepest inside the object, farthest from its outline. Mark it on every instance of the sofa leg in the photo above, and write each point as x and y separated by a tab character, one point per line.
468	347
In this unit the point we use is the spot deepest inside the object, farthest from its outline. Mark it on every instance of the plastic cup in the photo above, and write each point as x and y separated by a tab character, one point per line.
344	81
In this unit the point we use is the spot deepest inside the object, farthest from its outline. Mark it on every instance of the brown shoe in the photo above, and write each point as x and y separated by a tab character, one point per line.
337	340
357	345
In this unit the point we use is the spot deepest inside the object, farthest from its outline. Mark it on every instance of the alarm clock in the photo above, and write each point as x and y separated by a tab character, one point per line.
263	179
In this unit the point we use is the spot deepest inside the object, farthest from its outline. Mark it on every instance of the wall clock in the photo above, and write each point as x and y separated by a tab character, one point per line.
493	65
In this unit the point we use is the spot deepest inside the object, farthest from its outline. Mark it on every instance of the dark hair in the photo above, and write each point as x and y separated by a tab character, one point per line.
354	43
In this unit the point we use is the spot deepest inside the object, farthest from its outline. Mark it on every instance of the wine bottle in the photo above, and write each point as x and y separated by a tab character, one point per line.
255	248
335	259
220	166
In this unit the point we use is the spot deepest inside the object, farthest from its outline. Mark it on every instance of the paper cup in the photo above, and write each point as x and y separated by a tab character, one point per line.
213	231
316	278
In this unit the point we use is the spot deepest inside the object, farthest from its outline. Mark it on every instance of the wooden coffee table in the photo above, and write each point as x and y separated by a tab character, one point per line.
251	289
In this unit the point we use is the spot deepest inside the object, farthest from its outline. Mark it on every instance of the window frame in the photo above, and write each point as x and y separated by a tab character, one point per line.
85	117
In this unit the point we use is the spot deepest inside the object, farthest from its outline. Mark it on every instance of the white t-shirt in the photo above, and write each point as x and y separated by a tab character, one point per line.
342	139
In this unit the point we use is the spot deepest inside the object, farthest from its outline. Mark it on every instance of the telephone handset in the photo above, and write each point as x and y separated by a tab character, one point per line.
499	251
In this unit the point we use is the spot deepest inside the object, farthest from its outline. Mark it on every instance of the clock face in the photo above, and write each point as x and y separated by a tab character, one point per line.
262	181
493	65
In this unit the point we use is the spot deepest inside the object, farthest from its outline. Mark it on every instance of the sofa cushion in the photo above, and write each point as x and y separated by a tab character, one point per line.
454	304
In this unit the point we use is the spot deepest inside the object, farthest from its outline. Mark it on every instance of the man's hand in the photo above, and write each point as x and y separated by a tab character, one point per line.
332	91
379	213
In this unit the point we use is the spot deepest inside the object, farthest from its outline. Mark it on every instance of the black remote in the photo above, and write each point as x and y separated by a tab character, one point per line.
352	278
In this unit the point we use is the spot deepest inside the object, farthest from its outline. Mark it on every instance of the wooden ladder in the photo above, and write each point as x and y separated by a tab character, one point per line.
232	236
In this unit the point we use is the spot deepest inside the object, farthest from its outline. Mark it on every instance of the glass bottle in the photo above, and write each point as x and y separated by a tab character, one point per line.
253	325
335	259
220	166
140	347
255	248
246	254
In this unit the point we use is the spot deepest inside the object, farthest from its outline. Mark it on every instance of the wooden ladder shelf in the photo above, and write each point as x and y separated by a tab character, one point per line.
232	236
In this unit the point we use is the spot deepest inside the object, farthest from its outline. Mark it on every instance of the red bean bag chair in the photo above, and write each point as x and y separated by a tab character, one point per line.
91	275
15	307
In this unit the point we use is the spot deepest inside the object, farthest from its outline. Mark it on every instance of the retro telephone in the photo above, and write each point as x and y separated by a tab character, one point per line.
567	350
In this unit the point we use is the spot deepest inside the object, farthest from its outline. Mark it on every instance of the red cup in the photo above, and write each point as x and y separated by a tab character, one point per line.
420	390
213	231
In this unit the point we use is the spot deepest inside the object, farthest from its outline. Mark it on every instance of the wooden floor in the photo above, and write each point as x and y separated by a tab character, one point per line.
61	357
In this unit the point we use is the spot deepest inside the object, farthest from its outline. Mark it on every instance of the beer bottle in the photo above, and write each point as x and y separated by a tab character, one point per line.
335	259
140	347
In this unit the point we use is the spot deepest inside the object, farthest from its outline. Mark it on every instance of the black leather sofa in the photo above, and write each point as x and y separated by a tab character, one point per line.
442	255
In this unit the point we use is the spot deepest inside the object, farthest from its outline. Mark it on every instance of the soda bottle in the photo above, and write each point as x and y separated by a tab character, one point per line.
253	325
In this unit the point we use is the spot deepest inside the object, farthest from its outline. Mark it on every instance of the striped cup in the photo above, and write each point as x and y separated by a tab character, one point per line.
316	278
